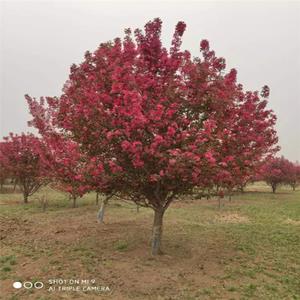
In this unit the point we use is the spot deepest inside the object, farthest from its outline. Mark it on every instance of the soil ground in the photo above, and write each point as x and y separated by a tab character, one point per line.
249	249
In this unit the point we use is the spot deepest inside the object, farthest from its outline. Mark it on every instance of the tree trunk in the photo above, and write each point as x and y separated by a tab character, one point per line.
157	231
219	202
229	194
273	188
74	201
97	198
44	205
15	185
102	210
25	198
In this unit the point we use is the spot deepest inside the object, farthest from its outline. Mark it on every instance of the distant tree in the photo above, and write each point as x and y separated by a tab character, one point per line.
293	175
156	122
278	171
66	166
4	171
21	157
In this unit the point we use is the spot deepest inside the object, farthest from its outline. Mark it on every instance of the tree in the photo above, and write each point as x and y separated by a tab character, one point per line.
155	121
21	157
293	175
65	165
248	139
4	172
278	171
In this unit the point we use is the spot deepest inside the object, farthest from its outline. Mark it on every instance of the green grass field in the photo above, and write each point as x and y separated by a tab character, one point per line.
250	249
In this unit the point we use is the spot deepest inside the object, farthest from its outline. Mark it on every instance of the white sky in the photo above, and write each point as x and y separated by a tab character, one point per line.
41	39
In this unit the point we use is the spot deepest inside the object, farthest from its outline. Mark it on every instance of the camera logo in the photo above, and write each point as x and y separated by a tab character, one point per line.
28	285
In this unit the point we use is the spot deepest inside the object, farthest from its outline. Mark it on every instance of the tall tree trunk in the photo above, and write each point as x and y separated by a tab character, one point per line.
273	188
102	210
157	231
97	198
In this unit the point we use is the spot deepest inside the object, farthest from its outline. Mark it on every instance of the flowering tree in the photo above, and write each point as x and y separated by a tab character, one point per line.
248	139
66	165
156	121
20	156
278	171
293	175
4	172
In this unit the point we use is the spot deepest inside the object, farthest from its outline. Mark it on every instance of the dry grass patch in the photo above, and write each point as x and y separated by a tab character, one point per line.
233	218
291	222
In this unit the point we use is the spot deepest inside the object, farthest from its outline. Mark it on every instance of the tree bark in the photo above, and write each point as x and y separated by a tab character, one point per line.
229	193
219	198
44	205
74	201
97	198
273	188
102	210
15	185
157	231
25	198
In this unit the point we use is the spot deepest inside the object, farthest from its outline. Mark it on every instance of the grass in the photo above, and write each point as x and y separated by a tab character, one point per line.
121	245
247	250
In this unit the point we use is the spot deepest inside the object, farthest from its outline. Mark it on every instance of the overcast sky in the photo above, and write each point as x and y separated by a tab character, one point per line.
41	39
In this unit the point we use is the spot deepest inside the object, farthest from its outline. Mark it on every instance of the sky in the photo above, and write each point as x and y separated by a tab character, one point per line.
39	40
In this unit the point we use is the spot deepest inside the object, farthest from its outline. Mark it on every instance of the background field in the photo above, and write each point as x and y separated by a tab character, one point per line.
250	249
